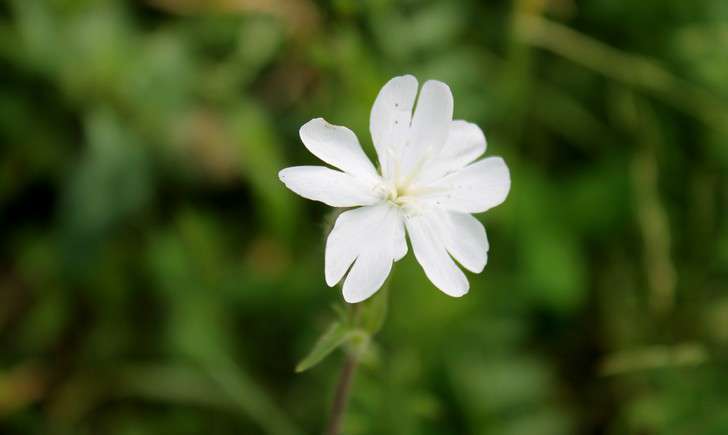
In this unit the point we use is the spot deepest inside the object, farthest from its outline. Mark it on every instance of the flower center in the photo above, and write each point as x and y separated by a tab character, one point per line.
398	195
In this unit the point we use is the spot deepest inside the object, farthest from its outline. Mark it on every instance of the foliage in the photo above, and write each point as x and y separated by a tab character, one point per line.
156	277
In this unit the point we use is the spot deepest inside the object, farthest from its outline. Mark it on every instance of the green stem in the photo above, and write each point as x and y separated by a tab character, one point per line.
343	387
343	391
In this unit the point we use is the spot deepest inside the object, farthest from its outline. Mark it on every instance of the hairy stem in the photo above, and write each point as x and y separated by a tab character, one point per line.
343	387
343	390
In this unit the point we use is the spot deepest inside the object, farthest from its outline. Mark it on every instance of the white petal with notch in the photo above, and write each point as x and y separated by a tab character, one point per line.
371	238
465	143
334	188
390	119
337	146
430	126
472	189
429	246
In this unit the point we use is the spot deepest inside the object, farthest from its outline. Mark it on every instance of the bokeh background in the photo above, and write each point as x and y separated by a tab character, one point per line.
157	278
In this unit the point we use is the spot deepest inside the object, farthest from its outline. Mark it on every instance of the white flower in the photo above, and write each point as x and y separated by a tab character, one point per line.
429	183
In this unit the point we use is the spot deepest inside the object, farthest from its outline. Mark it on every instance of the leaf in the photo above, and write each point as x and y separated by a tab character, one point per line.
355	328
374	311
337	334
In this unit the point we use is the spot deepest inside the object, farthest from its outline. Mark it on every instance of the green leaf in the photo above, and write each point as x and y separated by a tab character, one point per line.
374	311
337	334
356	325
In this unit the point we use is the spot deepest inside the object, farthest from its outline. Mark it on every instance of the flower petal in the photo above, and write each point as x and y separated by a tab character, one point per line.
390	119
465	143
337	146
372	238
430	126
465	240
428	244
367	275
473	189
334	188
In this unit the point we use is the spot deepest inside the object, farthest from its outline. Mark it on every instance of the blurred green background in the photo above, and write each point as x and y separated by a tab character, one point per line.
157	278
